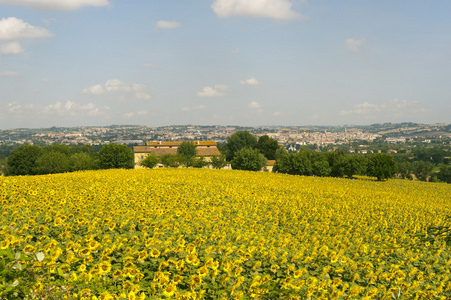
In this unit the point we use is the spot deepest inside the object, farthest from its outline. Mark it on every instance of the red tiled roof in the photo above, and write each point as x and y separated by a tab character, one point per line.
271	163
177	143
173	151
208	151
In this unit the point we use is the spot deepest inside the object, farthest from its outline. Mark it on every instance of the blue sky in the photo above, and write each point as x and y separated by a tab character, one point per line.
224	62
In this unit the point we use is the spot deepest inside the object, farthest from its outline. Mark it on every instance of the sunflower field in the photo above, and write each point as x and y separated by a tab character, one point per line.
221	234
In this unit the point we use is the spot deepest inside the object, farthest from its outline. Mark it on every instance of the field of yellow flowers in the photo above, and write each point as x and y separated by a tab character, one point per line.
219	234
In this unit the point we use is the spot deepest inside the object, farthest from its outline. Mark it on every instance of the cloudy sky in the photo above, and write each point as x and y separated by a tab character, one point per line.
235	62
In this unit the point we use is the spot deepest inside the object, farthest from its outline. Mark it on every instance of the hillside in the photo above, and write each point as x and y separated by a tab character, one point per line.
187	233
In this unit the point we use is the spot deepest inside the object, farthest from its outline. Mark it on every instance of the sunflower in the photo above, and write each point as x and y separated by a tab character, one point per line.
177	279
191	258
142	255
58	221
215	265
169	290
84	252
117	273
131	296
29	249
203	271
104	267
274	268
154	253
179	264
195	281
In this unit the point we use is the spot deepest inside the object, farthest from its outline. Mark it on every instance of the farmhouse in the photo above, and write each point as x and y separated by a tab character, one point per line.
269	165
205	149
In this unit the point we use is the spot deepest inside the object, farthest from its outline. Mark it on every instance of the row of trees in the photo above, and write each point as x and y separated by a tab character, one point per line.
245	152
60	158
334	164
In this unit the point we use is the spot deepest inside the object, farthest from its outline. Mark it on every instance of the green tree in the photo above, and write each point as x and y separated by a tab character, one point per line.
293	163
353	164
237	141
303	162
218	161
320	165
199	162
22	161
267	146
405	169
422	170
150	161
187	150
61	148
321	168
82	161
445	174
170	161
382	166
248	159
337	162
52	162
116	156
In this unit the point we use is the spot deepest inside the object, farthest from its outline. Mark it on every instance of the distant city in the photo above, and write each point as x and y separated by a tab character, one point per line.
293	137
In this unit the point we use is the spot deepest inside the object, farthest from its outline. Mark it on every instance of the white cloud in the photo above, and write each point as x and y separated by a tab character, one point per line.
9	74
15	29
71	108
216	91
167	24
250	81
354	44
95	90
254	104
11	48
14	107
132	114
236	51
274	9
59	108
391	109
63	5
115	86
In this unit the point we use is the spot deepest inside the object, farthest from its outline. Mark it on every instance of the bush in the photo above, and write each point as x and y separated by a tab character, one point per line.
382	166
52	162
248	159
445	174
150	161
187	150
218	162
199	162
422	170
114	156
170	161
82	161
22	161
